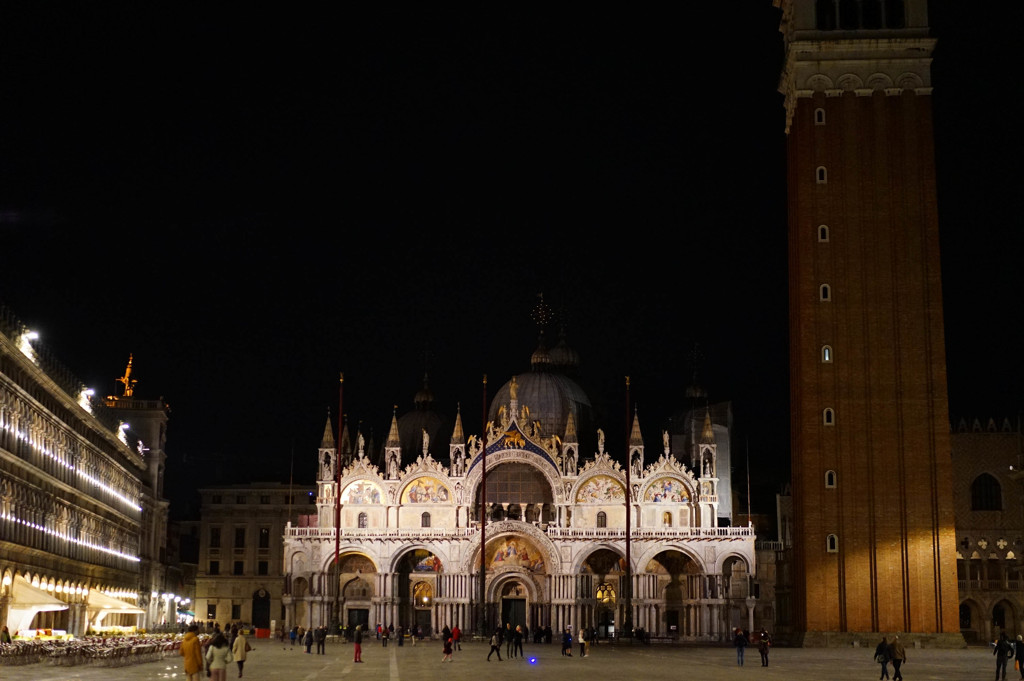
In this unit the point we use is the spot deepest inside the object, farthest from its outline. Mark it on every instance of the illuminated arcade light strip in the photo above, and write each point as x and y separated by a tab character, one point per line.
72	540
82	474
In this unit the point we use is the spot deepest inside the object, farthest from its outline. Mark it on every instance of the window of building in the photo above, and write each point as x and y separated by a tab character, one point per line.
666	519
264	537
606	594
821	175
851	15
240	499
825	293
215	499
828	417
265	499
830	479
602	519
819	117
822	233
214	568
239	537
832	543
263	568
211	611
826	354
214	537
236	611
362	521
239	568
425	520
986	494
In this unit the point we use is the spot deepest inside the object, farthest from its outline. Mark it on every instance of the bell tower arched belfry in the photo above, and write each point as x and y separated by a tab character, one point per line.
872	480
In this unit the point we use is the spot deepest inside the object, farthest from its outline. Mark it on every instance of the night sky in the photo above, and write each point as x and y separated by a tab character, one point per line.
253	201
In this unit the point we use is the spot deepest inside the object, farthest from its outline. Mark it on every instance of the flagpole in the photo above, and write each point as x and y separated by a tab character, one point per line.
337	507
483	518
628	619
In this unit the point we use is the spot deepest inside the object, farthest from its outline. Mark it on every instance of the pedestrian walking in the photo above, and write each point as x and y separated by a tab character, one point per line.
566	643
1018	654
517	648
898	655
239	649
456	638
882	657
191	649
507	634
447	649
495	645
218	657
764	644
1003	650
292	635
740	641
357	643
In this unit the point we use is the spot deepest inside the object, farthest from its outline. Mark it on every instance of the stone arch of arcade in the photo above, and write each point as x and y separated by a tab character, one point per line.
518	488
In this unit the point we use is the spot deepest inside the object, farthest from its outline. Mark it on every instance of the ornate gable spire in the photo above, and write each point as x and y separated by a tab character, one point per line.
707	435
393	439
328	440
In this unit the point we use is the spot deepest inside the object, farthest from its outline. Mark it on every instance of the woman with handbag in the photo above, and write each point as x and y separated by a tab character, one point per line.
239	649
882	658
218	656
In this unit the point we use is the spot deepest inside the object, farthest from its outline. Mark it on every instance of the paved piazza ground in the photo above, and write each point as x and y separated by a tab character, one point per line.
624	662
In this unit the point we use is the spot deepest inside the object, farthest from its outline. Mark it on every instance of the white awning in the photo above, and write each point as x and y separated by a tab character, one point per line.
100	605
26	601
101	601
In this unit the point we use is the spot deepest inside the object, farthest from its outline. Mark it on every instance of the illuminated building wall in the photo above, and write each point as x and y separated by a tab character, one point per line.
241	530
872	482
72	492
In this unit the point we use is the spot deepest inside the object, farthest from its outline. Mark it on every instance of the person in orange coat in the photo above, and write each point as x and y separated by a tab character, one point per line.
192	651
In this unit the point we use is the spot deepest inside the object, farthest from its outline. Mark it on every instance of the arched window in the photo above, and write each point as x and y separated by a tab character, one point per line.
832	543
819	117
362	521
828	417
822	233
830	479
425	520
986	494
666	519
825	292
821	175
826	354
602	519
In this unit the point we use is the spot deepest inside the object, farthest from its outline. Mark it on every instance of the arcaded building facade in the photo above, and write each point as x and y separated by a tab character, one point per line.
82	519
518	525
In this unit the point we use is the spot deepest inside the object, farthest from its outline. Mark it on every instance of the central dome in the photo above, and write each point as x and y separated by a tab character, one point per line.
550	395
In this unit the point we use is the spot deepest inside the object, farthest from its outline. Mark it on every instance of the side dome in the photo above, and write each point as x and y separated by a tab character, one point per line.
424	417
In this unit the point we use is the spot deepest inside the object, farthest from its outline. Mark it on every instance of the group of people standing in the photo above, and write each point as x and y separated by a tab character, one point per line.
762	639
215	654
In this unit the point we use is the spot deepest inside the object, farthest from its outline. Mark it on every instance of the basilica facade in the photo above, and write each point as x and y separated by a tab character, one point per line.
518	526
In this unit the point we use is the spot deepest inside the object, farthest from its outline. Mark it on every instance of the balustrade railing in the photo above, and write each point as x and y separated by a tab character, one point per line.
584	533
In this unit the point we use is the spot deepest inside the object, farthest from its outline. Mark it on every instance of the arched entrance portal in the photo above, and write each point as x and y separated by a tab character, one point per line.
607	568
513	604
417	582
681	584
261	609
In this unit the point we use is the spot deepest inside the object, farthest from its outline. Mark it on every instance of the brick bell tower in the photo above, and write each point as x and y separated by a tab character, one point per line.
872	478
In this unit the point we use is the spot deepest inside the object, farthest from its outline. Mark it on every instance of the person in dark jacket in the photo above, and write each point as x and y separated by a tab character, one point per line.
740	641
898	655
495	645
307	640
882	657
1003	651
